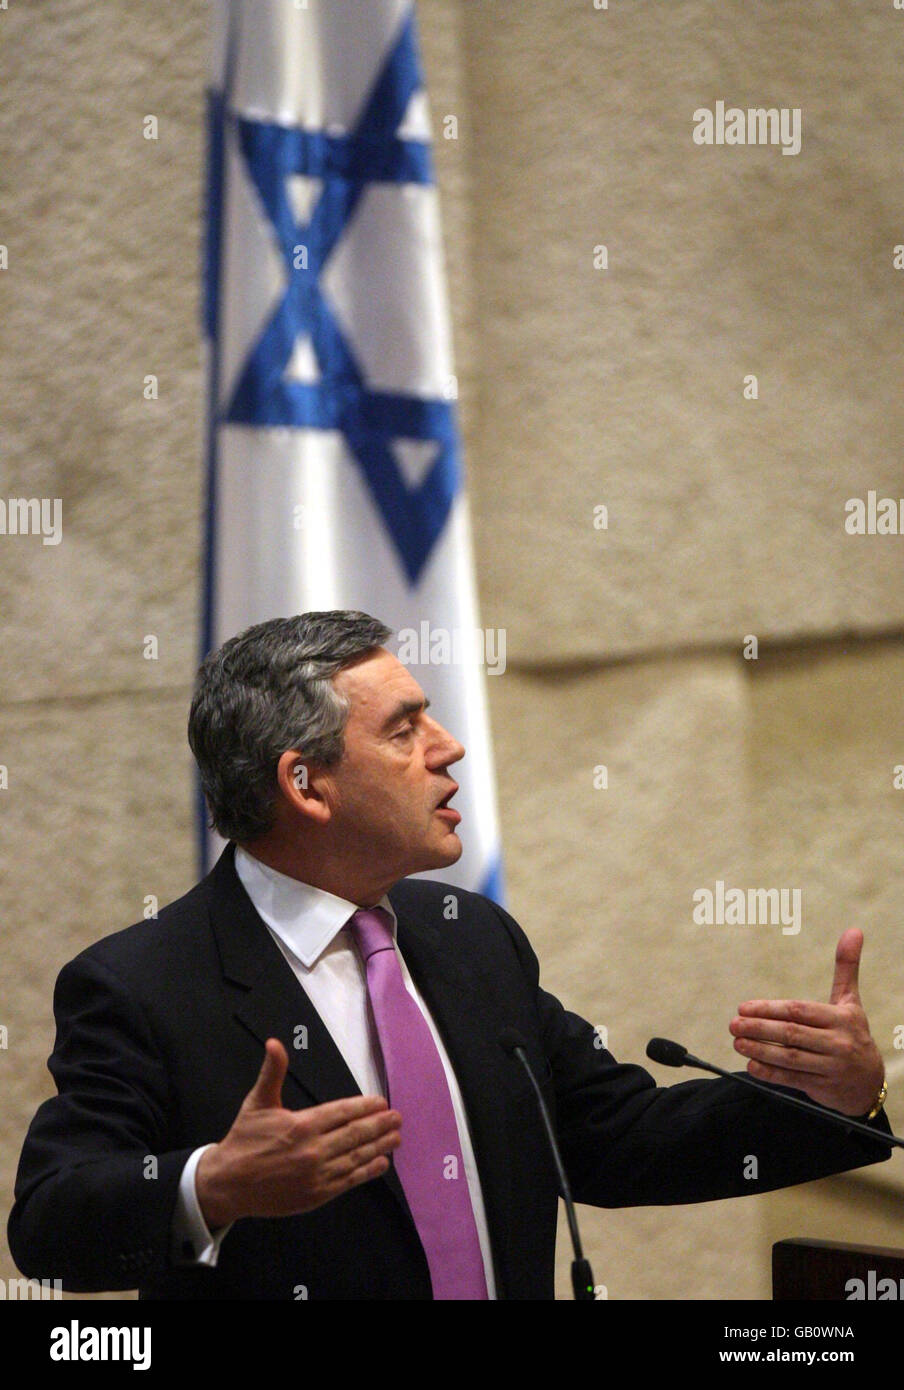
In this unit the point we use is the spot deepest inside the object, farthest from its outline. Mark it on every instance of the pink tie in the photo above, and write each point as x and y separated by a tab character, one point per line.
428	1160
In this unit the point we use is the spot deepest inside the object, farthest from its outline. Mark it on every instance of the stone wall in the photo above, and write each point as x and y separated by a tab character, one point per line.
581	387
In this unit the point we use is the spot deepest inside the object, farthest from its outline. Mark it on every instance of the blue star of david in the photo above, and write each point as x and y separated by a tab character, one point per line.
341	399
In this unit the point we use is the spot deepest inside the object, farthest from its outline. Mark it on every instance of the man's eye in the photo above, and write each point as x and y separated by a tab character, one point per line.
403	733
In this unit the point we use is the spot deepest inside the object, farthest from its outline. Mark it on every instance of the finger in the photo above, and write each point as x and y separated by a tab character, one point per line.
359	1132
780	1076
333	1114
266	1093
347	1163
789	1059
806	1011
845	985
375	1169
796	1035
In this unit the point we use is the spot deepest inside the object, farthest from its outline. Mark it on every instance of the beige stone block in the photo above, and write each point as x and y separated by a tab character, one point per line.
444	63
770	774
102	289
824	739
603	880
98	814
624	387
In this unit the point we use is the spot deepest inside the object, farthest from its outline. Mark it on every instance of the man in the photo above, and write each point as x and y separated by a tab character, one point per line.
222	1128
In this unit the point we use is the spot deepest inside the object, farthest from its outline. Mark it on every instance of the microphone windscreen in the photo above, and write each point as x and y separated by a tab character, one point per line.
670	1054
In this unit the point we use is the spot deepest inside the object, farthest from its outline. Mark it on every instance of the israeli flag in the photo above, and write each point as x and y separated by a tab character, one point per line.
334	470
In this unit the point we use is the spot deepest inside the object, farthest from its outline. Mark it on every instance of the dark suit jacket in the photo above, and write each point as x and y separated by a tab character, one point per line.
160	1032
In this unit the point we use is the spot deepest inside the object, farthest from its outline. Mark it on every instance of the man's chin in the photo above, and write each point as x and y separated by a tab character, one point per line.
456	849
440	856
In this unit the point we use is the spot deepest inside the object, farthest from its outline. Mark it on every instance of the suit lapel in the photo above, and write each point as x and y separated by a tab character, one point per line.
269	1000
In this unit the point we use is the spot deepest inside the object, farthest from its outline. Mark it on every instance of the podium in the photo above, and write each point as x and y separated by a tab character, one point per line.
824	1270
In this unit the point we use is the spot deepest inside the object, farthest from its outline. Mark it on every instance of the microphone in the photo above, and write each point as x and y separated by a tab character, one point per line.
581	1273
672	1054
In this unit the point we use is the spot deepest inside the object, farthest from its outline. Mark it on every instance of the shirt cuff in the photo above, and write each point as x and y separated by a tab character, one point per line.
192	1242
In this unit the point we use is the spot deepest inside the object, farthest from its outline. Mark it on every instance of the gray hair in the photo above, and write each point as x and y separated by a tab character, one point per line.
265	691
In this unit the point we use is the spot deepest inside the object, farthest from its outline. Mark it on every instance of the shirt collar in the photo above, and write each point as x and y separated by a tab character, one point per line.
306	919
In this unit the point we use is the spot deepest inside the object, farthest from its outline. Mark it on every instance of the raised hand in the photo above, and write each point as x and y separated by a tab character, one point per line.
278	1162
825	1050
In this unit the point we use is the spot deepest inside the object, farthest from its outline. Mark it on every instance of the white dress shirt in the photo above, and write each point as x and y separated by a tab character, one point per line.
309	926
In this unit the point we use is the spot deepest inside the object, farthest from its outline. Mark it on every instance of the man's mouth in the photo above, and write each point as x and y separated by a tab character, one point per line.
444	809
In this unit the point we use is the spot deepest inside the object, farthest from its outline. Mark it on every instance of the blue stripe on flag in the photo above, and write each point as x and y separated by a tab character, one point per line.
493	885
370	420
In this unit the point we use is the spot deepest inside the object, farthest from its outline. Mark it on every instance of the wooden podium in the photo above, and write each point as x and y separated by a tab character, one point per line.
823	1270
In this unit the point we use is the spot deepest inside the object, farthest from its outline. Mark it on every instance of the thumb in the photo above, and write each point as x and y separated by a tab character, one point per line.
266	1093
845	985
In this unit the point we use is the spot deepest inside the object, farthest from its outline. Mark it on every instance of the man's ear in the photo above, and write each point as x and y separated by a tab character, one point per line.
303	785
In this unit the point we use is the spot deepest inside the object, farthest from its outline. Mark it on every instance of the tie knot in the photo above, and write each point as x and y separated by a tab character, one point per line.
372	929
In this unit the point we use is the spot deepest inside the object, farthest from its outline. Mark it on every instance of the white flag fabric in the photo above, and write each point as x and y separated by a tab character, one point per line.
334	472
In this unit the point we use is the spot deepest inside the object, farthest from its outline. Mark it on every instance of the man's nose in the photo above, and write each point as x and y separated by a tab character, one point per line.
444	748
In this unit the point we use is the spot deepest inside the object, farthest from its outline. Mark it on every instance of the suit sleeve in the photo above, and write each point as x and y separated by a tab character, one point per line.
628	1142
96	1187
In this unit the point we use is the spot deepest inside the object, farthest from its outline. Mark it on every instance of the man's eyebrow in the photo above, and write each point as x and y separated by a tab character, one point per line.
402	708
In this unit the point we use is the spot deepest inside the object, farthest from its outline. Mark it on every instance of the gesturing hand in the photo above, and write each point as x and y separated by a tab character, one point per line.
276	1162
825	1050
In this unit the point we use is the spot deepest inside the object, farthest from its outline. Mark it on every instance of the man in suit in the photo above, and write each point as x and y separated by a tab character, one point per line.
221	1127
